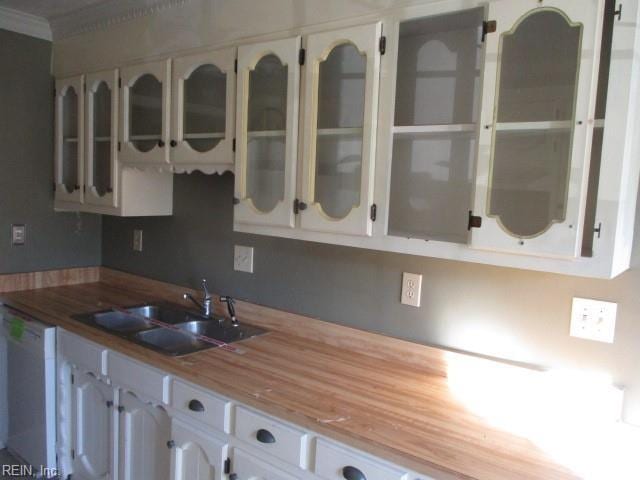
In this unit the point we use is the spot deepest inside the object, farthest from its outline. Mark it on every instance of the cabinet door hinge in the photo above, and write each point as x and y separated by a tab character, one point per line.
73	379
235	65
119	82
54	93
233	145
598	230
474	221
618	12
373	214
84	87
302	54
119	146
227	466
489	26
73	454
54	187
236	201
382	45
298	206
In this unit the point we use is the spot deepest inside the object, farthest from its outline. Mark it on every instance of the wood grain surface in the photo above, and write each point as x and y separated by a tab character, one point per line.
385	396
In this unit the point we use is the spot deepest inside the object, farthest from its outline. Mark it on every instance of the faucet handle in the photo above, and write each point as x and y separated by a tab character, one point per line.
207	295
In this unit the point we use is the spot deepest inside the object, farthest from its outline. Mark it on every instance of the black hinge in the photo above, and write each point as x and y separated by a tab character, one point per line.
235	65
598	229
73	453
298	206
54	186
490	26
474	221
233	145
618	13
119	146
84	87
84	189
236	201
73	379
373	214
302	54
227	466
54	93
119	82
382	45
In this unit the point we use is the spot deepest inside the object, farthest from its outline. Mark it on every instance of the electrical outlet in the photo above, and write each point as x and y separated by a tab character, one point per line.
137	240
411	289
18	234
593	319
243	259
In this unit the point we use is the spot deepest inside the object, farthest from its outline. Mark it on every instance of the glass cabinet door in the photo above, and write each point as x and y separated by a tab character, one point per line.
144	117
268	87
69	152
203	112
341	91
102	139
537	126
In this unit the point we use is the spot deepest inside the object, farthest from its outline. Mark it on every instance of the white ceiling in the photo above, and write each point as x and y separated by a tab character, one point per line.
51	8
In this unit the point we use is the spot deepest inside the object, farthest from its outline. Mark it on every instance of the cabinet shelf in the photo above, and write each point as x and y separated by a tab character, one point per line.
101	139
340	131
432	129
145	137
202	136
534	126
71	139
266	133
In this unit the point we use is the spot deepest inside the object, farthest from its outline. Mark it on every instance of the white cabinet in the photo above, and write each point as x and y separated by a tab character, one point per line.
197	456
267	133
145	431
144	119
69	139
340	113
92	427
538	116
203	107
245	466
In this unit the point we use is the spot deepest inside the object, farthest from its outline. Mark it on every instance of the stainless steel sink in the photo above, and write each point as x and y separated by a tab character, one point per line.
137	324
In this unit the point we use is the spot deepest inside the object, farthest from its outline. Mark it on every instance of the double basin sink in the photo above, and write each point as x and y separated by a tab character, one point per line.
169	329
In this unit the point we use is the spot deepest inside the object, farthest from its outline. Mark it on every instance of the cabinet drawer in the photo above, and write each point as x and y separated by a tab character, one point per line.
245	465
201	406
272	436
85	355
146	382
334	462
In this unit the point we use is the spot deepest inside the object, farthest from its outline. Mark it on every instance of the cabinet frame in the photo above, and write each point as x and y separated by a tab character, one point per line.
287	50
158	156
365	39
92	82
62	194
220	158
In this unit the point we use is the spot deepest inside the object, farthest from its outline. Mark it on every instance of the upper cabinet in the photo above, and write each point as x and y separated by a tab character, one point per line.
145	94
203	107
69	139
267	133
340	112
537	126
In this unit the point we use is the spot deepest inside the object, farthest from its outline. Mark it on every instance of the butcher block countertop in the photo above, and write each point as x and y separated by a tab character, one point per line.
385	396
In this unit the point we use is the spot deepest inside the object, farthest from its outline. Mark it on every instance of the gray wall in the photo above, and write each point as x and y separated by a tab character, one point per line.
54	240
501	312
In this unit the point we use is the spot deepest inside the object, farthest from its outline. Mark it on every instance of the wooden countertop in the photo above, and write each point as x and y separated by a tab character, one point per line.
381	395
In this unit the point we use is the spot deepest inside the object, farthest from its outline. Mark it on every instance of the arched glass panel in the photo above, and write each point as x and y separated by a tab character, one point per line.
267	123
101	180
70	139
536	96
341	98
145	113
205	100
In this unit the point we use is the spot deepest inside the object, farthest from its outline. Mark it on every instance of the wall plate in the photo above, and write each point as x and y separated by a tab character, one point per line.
593	319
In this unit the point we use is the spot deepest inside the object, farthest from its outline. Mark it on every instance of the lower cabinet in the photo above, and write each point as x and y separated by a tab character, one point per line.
145	432
245	466
197	456
92	427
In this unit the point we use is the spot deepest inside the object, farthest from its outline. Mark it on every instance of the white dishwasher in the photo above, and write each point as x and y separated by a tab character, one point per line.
29	391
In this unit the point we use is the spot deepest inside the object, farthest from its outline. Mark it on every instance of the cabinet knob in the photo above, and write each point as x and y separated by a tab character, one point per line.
171	444
196	406
120	409
173	143
161	143
109	404
352	473
265	436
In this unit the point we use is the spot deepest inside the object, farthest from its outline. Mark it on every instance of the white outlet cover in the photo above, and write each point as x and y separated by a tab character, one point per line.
411	289
243	259
593	319
137	240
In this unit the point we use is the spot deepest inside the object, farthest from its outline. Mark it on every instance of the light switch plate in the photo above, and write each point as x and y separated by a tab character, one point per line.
593	319
411	289
18	234
243	259
137	240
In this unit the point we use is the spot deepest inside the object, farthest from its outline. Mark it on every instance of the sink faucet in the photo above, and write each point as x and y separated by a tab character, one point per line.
205	306
232	311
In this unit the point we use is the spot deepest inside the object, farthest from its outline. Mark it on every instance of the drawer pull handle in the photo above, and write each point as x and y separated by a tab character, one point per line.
352	473
265	436
196	406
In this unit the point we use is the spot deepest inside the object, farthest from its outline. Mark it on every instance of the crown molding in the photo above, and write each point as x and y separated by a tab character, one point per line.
104	15
24	23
